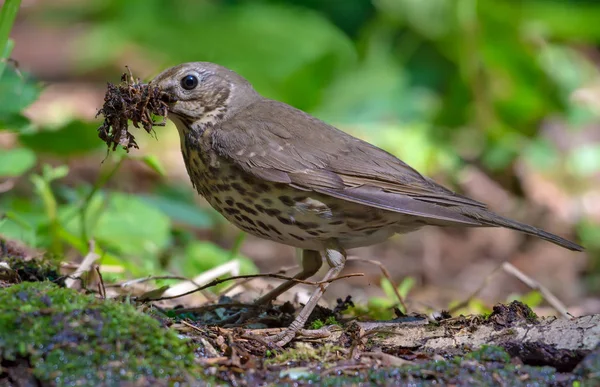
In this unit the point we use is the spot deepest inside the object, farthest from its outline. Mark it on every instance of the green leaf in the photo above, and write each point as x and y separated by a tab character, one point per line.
589	232
25	221
14	227
419	15
16	122
131	226
180	211
477	306
15	162
10	44
542	154
154	163
564	20
44	191
8	14
405	286
201	256
76	137
391	299
17	91
388	289
70	215
532	299
584	161
50	173
316	49
18	220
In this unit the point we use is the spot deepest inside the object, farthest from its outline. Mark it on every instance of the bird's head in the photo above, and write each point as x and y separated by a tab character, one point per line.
203	92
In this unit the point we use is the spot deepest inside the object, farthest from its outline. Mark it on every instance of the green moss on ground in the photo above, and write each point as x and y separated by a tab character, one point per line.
318	323
488	366
72	339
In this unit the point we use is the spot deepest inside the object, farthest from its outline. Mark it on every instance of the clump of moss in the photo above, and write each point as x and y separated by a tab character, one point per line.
489	353
18	268
508	315
72	339
318	324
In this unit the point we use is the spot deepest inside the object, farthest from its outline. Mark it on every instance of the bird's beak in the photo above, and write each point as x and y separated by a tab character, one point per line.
167	97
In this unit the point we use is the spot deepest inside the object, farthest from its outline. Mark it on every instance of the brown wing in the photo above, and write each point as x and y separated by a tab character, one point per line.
289	146
278	143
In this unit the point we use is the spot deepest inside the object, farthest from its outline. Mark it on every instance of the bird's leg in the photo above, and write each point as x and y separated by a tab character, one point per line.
336	258
311	263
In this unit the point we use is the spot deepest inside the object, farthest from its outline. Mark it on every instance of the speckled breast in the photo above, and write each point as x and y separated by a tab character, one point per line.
278	212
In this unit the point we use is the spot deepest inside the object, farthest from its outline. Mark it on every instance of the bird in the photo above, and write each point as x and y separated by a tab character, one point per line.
279	173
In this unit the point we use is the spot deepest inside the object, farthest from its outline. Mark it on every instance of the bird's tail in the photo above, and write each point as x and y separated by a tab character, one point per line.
489	218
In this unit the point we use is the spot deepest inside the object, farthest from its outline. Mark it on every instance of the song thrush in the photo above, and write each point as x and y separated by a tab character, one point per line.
278	173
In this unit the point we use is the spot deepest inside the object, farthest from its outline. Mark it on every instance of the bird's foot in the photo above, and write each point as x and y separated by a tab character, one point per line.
284	338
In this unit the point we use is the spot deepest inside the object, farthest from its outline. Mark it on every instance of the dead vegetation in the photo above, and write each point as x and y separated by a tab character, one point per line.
134	101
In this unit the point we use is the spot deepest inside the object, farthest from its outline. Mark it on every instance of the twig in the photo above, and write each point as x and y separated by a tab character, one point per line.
136	281
279	276
246	280
101	286
127	283
533	284
85	265
232	268
187	324
387	275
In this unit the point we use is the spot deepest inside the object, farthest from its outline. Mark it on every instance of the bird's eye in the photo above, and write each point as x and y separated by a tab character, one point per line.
189	82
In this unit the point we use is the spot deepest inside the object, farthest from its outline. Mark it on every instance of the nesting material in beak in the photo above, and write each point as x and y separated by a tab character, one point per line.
131	100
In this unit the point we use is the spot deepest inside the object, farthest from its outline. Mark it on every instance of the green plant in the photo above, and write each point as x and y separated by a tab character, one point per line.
131	231
8	13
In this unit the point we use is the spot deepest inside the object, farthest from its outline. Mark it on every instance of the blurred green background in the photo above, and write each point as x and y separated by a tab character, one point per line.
497	99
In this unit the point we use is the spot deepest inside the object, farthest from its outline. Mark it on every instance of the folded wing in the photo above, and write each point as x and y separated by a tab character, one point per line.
294	148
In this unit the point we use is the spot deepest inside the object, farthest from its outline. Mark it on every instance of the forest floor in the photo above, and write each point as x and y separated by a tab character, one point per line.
53	334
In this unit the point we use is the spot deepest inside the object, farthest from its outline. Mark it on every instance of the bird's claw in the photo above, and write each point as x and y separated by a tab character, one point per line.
282	339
